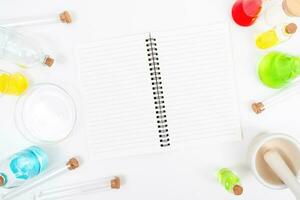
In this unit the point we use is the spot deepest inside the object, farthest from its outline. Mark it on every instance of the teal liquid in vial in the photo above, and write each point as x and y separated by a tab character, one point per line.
22	166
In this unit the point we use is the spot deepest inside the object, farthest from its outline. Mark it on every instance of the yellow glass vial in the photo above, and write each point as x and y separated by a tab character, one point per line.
275	36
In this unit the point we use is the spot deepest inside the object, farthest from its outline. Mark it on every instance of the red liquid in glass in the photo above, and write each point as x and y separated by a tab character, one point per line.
245	12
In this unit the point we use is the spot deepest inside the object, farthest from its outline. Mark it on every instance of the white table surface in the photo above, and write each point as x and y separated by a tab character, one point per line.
184	174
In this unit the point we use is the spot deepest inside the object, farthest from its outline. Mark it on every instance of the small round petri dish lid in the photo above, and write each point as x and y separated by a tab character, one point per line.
46	114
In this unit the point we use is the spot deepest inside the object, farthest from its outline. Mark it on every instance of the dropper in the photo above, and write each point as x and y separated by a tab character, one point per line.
72	164
63	17
260	106
102	184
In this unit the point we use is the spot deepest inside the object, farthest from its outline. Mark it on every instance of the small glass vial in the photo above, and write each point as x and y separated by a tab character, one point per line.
230	181
275	36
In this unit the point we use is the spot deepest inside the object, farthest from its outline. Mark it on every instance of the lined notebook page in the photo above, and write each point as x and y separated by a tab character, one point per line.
199	84
116	86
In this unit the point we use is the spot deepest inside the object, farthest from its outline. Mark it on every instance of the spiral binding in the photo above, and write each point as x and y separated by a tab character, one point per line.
157	88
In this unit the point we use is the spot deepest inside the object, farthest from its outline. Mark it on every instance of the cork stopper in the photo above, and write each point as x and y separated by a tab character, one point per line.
65	17
115	183
291	28
258	107
2	181
72	164
238	190
49	61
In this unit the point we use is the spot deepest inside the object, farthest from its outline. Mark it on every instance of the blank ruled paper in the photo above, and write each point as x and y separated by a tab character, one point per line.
116	86
198	85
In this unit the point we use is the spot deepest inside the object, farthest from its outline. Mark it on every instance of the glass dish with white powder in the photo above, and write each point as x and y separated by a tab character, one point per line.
46	114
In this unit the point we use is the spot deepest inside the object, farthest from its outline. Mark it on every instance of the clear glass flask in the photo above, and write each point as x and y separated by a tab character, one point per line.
21	50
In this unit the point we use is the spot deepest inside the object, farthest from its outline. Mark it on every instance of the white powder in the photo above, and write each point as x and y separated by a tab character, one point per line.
48	114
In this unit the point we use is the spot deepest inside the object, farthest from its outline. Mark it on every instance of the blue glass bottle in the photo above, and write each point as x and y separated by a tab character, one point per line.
22	166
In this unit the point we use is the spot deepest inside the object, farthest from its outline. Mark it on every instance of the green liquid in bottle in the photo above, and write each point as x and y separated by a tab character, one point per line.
277	69
230	181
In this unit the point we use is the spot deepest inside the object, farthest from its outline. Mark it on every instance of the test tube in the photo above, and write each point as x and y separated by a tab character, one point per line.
102	184
64	17
286	93
72	164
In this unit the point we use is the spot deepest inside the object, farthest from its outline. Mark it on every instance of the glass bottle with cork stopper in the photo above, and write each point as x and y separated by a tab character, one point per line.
230	181
22	50
275	35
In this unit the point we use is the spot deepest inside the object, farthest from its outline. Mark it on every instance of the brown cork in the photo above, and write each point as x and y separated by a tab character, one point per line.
115	183
65	17
72	164
291	28
258	107
49	61
237	190
2	181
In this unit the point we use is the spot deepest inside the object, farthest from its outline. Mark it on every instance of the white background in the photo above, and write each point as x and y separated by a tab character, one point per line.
185	174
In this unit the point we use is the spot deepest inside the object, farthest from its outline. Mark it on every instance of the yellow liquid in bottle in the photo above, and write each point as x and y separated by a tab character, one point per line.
13	84
267	39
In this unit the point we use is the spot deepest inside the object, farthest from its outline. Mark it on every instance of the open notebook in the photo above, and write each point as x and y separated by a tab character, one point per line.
150	92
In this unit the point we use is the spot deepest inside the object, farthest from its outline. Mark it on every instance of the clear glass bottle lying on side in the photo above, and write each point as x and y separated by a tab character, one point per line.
275	36
22	166
23	51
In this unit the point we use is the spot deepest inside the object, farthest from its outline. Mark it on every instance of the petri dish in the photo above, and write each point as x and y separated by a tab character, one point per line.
46	114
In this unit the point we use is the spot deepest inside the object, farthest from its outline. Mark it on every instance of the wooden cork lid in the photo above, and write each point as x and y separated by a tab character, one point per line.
258	107
115	183
2	181
291	28
65	17
72	164
49	61
238	190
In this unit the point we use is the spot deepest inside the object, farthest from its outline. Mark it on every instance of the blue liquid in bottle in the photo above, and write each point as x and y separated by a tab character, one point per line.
23	166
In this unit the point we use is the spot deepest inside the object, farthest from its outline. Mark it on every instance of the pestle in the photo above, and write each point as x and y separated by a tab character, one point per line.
281	169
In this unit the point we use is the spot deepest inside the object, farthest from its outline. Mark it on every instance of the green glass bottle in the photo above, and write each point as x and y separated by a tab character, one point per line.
277	69
230	181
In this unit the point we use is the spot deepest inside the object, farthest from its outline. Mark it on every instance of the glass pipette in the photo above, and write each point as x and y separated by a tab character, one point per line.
259	107
72	164
64	17
102	184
